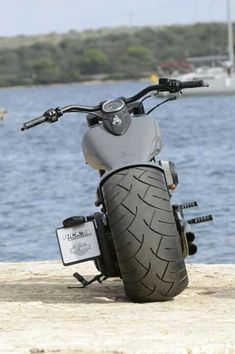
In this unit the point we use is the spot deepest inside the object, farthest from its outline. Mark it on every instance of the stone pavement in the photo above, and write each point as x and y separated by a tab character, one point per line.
39	314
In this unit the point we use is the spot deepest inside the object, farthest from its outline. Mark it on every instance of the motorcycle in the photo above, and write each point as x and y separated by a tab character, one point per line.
137	235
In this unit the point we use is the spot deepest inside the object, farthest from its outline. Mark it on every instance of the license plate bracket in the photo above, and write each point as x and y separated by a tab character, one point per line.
78	243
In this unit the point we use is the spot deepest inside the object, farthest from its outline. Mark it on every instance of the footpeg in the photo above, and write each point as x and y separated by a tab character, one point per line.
189	205
200	219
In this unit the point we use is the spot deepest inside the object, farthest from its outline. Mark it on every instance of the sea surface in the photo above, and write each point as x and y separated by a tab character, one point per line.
43	177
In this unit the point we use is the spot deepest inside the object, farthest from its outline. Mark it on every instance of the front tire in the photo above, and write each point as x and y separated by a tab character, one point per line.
144	232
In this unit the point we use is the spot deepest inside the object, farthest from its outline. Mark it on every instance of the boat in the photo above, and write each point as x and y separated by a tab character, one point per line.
221	78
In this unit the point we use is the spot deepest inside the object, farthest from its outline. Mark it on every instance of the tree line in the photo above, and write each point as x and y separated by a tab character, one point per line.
120	53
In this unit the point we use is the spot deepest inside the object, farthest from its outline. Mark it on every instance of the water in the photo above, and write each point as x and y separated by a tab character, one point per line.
43	177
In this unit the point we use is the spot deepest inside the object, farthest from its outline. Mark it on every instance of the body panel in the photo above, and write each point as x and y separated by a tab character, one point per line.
141	142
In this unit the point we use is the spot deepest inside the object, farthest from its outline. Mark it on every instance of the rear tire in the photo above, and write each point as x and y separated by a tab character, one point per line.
144	232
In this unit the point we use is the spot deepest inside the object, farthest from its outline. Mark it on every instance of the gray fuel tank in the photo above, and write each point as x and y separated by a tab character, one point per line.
141	142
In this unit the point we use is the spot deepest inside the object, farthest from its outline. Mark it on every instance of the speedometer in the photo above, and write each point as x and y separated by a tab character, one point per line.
113	106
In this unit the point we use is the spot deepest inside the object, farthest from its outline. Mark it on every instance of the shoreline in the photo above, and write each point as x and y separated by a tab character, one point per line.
94	82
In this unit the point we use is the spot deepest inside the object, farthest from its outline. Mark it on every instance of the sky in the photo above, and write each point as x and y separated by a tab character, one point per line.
31	17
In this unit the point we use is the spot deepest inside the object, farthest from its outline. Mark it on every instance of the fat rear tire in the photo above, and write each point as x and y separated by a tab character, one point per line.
144	232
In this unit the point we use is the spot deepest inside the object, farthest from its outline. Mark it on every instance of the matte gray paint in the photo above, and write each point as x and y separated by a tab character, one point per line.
104	151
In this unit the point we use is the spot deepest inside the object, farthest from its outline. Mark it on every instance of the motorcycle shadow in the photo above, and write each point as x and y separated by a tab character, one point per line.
57	290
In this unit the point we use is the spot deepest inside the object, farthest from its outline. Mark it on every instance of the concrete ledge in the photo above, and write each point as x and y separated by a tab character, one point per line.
39	314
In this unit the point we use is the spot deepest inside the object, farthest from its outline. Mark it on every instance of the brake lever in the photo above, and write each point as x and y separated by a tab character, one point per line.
170	98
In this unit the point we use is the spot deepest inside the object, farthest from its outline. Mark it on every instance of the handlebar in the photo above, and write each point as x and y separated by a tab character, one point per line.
52	115
167	85
164	85
32	123
193	84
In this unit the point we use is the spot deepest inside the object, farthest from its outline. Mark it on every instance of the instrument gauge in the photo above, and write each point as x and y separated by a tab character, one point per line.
113	106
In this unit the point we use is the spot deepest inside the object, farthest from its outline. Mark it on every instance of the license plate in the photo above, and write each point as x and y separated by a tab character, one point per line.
78	243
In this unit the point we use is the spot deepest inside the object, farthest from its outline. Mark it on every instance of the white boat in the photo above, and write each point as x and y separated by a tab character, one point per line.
221	79
220	82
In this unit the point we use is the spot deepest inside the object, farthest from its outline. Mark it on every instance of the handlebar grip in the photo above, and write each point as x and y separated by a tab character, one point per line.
192	84
32	123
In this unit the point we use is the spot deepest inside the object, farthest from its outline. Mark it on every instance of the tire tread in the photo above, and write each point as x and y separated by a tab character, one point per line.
145	236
